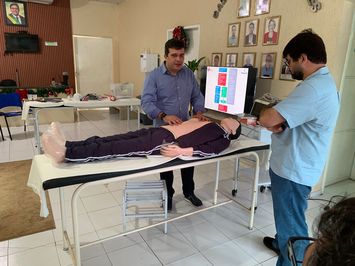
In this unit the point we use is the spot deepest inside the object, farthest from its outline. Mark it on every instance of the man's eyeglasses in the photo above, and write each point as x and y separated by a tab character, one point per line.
287	62
292	242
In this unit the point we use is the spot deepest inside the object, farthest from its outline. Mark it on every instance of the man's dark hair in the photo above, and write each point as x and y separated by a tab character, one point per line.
175	44
309	43
14	4
336	236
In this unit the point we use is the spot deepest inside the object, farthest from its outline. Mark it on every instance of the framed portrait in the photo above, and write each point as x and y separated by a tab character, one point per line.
231	59
249	59
243	8
251	32
262	7
233	34
216	59
267	65
15	13
285	73
271	30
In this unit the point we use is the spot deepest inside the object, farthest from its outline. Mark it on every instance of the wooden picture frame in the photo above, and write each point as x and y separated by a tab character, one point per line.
249	59
267	65
216	59
15	13
233	34
262	7
271	30
231	59
285	73
243	8
251	32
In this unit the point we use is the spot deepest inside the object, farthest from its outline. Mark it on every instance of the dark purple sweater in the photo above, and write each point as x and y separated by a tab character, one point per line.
206	141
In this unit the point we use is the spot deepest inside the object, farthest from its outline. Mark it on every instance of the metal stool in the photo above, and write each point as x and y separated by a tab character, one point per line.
138	193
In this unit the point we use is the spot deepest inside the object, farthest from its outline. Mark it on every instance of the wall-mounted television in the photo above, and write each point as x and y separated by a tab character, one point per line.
21	43
226	89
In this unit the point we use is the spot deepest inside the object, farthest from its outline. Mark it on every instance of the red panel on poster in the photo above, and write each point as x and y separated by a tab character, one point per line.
222	108
222	79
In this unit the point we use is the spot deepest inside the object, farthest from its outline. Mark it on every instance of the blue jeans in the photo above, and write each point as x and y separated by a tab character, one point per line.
289	203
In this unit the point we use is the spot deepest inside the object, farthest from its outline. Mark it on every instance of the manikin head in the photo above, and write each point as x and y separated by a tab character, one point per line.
231	126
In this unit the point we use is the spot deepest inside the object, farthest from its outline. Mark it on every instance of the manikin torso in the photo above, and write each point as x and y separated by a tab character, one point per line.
185	127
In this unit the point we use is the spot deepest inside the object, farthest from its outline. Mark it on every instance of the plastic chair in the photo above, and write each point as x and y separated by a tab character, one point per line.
291	243
12	100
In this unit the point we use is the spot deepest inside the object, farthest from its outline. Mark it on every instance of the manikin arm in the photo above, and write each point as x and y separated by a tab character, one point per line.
174	150
201	150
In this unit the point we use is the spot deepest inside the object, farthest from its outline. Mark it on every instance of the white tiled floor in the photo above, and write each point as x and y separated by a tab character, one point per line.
215	237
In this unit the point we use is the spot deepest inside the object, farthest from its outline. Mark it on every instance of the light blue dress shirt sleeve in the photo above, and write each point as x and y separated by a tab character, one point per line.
299	107
149	96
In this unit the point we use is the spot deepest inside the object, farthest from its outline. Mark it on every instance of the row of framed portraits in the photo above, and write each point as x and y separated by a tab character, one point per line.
267	64
260	7
251	29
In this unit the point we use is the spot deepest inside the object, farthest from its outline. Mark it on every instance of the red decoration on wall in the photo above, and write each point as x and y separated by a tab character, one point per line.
179	34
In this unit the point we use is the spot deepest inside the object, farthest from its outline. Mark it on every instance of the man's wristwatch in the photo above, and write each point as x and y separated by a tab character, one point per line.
162	115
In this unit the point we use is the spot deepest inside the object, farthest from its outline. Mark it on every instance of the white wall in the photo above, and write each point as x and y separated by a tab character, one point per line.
97	19
342	154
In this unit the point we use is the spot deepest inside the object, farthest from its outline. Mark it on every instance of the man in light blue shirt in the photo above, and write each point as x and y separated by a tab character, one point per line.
302	127
168	92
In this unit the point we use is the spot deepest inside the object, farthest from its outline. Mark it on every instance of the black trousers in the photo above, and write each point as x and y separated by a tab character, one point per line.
131	144
187	177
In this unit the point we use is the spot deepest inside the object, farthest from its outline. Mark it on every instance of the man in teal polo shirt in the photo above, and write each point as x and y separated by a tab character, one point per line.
302	127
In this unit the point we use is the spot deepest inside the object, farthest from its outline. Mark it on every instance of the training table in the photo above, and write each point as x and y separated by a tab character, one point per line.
44	176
